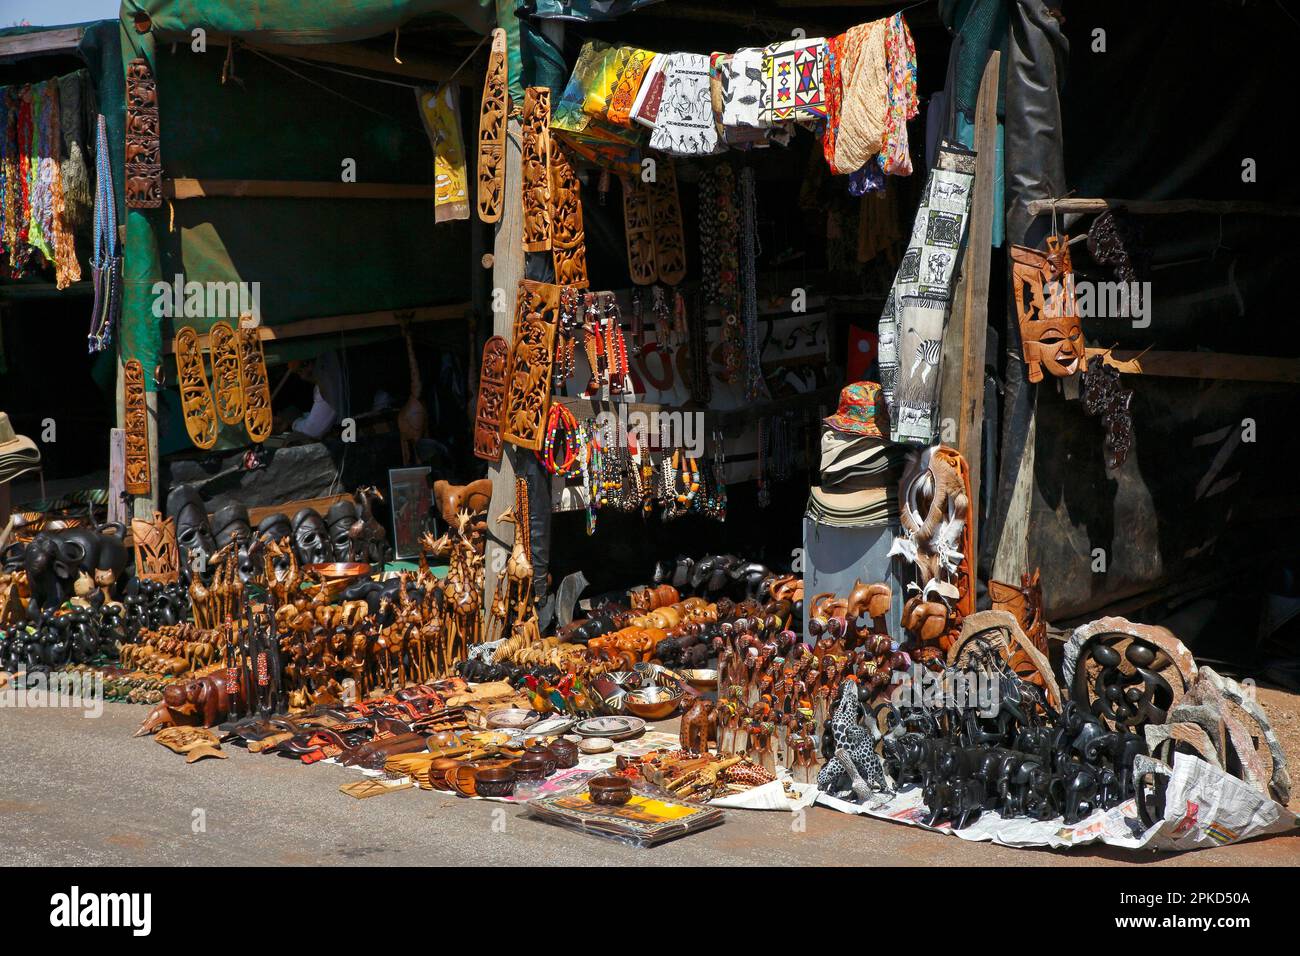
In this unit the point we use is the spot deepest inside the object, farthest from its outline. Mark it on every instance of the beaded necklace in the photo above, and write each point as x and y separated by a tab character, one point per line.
701	384
559	423
755	384
589	464
638	323
569	324
106	265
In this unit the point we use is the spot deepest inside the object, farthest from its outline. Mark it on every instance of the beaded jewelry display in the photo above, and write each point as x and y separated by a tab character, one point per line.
562	430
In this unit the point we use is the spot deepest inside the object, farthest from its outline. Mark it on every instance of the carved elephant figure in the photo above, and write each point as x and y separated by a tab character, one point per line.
1078	788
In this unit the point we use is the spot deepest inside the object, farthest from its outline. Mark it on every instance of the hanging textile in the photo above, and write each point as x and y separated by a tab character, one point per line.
645	108
78	192
685	122
106	265
627	86
900	57
440	111
916	309
42	171
856	131
10	189
792	73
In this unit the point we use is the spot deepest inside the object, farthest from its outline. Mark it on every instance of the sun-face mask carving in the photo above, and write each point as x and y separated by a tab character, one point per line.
1050	335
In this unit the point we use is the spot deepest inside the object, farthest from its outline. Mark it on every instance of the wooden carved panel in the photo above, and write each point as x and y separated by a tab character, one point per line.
666	212
225	374
156	556
491	398
253	380
536	155
528	389
568	239
638	225
492	131
137	428
192	379
143	159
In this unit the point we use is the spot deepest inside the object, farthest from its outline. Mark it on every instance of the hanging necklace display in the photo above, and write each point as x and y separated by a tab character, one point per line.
570	326
663	319
143	169
666	214
225	374
719	243
492	131
491	398
638	323
619	382
755	384
568	239
192	382
106	265
764	456
562	431
136	420
638	226
528	389
255	384
536	169
589	465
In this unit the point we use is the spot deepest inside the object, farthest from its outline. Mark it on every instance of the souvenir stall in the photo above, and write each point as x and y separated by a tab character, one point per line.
724	544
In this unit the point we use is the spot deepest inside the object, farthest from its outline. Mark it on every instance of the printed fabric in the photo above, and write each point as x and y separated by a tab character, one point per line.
684	126
440	110
792	75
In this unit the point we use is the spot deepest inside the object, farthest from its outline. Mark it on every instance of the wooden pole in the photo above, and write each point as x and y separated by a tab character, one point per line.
962	392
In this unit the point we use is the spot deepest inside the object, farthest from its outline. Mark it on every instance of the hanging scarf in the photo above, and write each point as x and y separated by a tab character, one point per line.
627	86
900	56
685	122
66	268
106	264
20	251
792	73
78	195
860	128
9	187
440	110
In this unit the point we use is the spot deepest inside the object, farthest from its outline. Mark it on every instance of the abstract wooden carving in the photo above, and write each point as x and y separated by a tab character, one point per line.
536	156
136	420
253	380
666	213
143	159
491	398
156	556
192	379
492	131
528	389
638	224
225	374
568	240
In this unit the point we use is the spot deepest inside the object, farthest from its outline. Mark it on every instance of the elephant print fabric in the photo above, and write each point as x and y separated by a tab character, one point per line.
916	309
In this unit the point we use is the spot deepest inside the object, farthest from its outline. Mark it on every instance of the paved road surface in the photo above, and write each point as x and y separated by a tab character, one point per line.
84	792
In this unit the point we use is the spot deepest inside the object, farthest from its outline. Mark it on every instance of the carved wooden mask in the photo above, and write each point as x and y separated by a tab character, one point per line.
1050	335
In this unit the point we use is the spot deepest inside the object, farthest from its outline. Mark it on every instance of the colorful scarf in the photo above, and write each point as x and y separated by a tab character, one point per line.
860	126
440	110
685	122
792	73
628	85
900	55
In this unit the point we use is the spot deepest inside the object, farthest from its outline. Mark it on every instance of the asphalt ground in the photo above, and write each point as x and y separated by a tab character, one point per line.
84	792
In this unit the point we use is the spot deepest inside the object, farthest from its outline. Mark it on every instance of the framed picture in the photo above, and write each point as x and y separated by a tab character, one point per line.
412	504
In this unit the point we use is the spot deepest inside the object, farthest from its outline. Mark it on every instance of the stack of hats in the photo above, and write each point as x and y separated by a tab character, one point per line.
18	453
860	467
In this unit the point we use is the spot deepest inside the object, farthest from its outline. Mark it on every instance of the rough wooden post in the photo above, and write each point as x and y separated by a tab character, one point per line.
962	392
507	270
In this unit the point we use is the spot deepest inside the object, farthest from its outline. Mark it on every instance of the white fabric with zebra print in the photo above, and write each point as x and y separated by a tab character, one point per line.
916	310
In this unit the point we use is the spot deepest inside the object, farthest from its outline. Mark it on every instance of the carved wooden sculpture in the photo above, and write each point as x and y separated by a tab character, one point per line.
568	240
136	419
999	632
143	168
492	131
638	225
666	211
536	169
228	391
157	558
196	398
256	387
1050	335
491	398
1025	604
528	391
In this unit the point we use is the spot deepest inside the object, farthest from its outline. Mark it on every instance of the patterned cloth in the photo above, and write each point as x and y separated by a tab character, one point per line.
916	309
628	85
860	120
742	88
900	57
440	110
645	108
792	74
684	126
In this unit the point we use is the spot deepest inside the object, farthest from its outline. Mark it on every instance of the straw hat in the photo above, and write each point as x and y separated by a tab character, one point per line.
18	453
